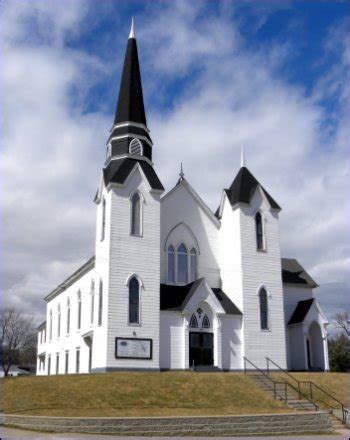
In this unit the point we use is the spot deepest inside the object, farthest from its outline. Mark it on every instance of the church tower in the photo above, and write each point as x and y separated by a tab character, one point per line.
128	232
251	266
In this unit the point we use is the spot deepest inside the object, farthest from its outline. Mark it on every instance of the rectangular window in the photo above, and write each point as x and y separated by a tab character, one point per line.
77	361
57	363
67	362
79	312
41	337
49	365
103	220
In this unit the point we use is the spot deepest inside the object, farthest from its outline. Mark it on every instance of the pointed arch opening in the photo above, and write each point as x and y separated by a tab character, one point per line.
59	321
79	311
193	321
68	316
134	301
92	299
264	315
103	219
100	303
135	147
259	230
193	265
182	276
205	322
136	215
171	265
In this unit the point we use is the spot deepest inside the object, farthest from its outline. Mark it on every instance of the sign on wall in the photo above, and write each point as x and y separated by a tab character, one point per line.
133	348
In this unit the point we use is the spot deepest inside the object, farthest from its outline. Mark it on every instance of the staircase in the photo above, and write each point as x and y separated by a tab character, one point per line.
291	393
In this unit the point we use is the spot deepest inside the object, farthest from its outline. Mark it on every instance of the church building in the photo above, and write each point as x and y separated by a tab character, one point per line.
173	285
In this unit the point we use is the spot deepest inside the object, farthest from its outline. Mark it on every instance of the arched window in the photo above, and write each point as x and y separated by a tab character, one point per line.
59	321
193	321
103	219
205	322
182	264
171	264
68	316
264	318
100	299
50	331
92	294
259	231
135	147
134	301
193	264
136	214
79	311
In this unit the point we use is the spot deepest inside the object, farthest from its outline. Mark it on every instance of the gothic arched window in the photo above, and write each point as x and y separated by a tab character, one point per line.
171	264
103	219
205	322
59	321
136	214
264	318
259	231
50	330
92	294
134	301
79	311
182	264
193	264
193	321
100	305
68	316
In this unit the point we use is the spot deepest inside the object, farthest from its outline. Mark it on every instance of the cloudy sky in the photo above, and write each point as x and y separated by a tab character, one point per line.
271	75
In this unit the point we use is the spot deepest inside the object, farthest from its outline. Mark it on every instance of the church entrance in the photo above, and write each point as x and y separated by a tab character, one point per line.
201	349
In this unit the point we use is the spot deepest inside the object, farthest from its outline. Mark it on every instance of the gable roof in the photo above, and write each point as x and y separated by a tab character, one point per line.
174	298
118	170
294	273
300	311
184	184
85	268
242	190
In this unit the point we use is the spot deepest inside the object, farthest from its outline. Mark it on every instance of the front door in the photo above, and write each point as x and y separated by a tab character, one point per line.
201	349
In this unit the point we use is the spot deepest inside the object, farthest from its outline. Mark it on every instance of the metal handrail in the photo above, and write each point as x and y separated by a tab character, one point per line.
311	384
284	383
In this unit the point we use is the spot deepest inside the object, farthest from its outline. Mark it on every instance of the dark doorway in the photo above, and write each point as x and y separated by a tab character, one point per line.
201	349
308	354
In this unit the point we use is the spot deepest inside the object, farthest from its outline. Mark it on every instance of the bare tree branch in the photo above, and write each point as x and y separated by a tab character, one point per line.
342	322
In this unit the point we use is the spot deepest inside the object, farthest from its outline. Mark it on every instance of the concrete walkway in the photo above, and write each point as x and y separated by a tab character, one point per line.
9	434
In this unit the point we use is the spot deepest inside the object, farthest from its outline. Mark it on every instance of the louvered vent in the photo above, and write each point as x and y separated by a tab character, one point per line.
135	147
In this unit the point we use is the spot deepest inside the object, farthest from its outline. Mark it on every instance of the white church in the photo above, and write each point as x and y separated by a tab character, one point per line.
173	285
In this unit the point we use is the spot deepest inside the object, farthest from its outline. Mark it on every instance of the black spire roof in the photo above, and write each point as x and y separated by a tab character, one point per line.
243	188
130	105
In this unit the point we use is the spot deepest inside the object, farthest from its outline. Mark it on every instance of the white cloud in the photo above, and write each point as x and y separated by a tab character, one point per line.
53	150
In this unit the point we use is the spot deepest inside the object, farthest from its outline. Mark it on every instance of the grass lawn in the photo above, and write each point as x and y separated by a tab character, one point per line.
337	384
137	394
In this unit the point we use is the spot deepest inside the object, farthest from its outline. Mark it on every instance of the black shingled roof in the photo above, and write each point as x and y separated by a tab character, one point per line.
130	105
175	298
294	273
301	311
117	171
243	188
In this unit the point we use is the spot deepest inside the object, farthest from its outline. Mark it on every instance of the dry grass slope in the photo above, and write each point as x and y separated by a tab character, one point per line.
126	394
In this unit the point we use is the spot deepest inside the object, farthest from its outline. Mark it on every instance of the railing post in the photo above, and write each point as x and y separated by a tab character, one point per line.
267	366
299	390
285	391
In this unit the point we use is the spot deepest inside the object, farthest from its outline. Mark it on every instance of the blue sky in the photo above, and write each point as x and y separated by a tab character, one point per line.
272	75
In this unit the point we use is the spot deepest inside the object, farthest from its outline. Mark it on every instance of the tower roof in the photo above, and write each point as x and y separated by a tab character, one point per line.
130	105
243	188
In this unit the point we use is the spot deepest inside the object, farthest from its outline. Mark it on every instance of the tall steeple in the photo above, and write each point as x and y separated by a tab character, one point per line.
129	134
130	107
129	142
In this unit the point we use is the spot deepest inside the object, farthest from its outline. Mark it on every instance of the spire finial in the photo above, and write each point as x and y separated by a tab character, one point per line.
181	174
132	30
242	156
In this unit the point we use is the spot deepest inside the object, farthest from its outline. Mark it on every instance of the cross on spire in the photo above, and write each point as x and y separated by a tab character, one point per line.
181	175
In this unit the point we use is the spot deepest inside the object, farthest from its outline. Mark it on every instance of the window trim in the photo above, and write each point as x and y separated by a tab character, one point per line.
263	228
268	328
79	309
141	287
142	201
